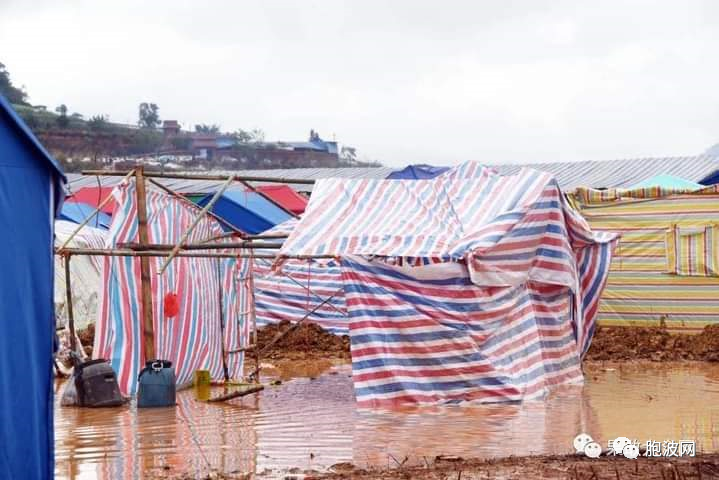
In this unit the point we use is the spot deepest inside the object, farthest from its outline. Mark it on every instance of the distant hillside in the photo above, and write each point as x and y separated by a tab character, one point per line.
96	142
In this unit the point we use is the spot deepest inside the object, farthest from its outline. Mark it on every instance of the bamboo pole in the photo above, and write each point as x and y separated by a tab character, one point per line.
189	176
145	281
159	247
243	349
268	198
237	393
192	226
212	214
131	253
68	300
253	317
269	236
93	214
222	320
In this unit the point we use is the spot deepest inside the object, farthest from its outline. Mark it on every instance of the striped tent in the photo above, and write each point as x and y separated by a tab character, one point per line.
299	288
666	266
502	308
214	296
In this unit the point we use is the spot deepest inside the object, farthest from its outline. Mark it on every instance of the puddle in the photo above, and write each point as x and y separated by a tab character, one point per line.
312	423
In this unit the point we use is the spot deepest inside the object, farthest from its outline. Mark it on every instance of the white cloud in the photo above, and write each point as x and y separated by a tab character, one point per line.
403	81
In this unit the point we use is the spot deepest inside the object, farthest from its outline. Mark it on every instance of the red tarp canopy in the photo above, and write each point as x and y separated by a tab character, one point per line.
94	196
285	196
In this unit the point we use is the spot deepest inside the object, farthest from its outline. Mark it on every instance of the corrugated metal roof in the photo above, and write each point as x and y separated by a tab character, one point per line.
597	174
621	173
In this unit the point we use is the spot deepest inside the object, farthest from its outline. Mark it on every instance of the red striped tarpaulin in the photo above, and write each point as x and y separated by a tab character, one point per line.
193	338
301	286
531	267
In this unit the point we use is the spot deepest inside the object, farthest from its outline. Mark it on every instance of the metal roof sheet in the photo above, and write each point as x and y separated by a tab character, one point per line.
596	174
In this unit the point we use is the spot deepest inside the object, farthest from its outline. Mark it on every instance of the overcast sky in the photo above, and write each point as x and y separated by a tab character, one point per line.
403	81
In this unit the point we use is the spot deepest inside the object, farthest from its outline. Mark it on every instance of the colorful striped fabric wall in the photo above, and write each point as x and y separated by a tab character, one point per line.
428	334
508	265
299	287
210	292
641	289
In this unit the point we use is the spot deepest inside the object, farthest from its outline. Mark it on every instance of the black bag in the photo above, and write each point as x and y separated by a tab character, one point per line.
96	385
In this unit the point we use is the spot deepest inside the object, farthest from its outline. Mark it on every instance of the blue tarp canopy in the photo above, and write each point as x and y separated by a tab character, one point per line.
417	172
712	179
247	211
30	193
668	182
77	212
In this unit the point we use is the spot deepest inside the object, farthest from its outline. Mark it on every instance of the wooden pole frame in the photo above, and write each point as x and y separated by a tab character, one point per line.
145	280
144	250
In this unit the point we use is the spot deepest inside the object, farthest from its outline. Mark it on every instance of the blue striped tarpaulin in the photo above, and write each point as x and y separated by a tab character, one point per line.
299	287
193	338
512	275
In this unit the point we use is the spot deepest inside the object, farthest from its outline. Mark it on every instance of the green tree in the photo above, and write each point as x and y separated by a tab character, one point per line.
149	115
348	155
8	90
249	136
62	120
204	128
97	123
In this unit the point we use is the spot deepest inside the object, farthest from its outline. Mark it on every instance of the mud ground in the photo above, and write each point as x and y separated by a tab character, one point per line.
569	467
311	342
573	467
308	341
654	344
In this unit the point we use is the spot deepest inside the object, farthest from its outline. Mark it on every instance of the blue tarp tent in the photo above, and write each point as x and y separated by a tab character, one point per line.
77	212
248	211
712	179
30	194
417	172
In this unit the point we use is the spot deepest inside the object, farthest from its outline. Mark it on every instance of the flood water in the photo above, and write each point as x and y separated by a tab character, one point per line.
310	421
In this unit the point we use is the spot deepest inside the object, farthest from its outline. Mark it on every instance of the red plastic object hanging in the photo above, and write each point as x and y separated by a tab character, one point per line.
171	305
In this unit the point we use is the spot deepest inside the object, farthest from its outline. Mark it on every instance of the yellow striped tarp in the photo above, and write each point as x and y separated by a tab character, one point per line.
665	270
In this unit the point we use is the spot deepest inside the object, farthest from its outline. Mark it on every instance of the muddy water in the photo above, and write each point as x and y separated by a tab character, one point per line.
310	421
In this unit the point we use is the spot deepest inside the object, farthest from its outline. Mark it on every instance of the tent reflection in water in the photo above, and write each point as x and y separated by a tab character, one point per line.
467	287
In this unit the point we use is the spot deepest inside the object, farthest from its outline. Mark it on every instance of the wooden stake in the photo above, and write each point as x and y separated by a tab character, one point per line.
68	300
145	280
194	223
